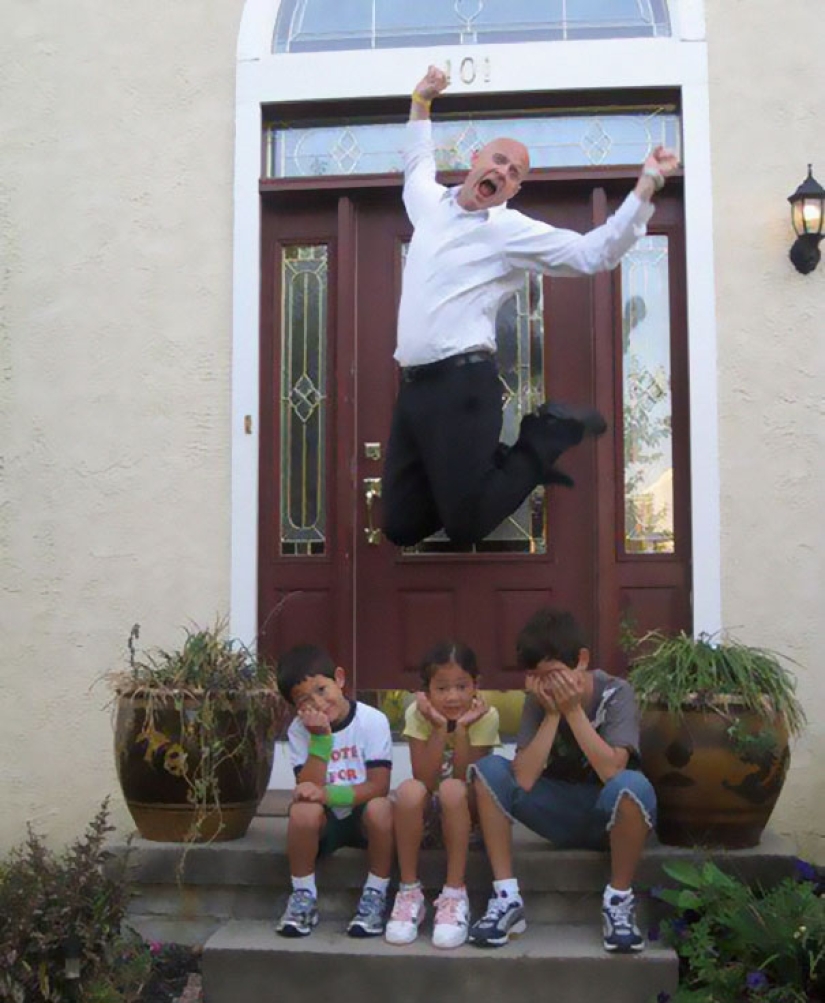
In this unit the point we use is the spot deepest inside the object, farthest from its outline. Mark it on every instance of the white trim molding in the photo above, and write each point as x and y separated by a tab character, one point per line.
679	61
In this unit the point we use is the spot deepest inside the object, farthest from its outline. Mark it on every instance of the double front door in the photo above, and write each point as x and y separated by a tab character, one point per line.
332	262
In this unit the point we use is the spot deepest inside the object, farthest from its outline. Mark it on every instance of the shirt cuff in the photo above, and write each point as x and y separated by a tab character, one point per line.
420	128
636	213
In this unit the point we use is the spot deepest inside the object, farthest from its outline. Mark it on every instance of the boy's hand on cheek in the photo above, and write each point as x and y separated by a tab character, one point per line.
428	712
315	721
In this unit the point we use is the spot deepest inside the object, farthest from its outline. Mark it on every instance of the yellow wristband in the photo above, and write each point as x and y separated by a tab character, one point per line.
424	102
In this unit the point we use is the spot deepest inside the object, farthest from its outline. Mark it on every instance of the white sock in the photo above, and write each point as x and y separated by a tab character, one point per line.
307	884
610	893
507	888
379	884
413	886
448	892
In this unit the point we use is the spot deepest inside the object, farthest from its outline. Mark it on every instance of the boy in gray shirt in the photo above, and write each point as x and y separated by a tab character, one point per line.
575	779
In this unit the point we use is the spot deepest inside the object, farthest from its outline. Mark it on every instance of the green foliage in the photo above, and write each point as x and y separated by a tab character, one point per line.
207	660
739	944
58	905
682	671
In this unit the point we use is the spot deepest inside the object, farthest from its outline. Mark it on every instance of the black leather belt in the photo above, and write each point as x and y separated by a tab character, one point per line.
411	373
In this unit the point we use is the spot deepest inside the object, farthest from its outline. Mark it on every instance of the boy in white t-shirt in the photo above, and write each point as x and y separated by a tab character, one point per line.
341	753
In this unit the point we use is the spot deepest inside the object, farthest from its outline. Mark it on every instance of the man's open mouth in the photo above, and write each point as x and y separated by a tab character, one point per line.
487	188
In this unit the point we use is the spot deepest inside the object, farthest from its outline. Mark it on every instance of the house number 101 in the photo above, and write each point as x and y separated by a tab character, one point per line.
468	71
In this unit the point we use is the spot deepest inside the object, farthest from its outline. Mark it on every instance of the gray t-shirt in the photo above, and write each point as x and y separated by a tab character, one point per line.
614	714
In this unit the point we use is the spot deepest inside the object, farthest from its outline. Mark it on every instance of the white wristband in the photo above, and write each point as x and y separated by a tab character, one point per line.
658	177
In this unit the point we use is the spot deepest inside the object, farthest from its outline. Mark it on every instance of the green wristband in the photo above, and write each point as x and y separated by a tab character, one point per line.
339	795
320	746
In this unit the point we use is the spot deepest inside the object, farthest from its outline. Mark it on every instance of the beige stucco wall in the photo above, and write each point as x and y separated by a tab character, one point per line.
116	173
116	145
767	124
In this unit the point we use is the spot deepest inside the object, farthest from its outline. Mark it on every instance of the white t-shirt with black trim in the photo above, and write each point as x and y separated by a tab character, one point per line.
360	741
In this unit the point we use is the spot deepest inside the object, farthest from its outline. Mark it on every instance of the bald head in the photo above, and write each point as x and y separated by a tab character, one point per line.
497	171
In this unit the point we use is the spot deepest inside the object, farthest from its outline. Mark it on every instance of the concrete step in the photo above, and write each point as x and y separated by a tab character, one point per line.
247	962
184	895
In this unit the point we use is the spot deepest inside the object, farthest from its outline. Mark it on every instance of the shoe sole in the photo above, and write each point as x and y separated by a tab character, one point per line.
293	931
362	933
515	930
630	949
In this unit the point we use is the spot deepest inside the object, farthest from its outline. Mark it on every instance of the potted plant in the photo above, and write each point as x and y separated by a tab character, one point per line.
717	716
194	736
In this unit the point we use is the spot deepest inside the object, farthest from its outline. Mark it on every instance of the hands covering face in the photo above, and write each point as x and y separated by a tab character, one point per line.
316	722
558	689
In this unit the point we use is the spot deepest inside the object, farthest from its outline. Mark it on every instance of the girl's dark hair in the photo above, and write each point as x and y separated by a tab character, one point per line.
300	663
445	652
550	634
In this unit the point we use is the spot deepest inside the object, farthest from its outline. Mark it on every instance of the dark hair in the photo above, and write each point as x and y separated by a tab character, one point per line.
549	634
442	654
300	663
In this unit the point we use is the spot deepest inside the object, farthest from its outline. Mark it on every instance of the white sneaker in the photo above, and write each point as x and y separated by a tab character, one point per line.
407	915
452	922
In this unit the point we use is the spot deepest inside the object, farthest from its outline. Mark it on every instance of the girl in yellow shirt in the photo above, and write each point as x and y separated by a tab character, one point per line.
449	726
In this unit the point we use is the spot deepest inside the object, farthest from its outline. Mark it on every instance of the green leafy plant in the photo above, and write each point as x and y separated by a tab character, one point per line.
59	907
223	695
737	944
680	671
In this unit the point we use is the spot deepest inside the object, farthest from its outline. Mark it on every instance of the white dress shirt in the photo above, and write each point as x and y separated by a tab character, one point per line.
461	265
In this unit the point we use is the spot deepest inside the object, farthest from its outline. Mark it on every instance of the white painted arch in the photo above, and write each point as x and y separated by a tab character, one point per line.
263	78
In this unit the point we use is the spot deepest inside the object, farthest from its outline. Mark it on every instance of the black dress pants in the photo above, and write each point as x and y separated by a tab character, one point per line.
445	466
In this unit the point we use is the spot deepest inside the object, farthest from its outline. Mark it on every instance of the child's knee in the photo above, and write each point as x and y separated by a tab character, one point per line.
452	793
632	797
411	794
378	815
306	816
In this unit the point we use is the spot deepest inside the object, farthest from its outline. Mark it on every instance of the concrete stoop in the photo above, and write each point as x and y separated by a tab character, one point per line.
247	962
227	897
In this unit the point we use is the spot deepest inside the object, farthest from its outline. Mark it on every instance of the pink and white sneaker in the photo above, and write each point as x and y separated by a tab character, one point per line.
407	915
452	921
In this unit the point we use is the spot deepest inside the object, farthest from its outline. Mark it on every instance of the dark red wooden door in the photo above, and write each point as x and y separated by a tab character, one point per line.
331	273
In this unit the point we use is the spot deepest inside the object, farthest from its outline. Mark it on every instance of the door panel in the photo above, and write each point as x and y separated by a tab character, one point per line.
331	273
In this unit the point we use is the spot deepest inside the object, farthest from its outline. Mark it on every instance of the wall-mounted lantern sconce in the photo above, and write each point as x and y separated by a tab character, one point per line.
807	211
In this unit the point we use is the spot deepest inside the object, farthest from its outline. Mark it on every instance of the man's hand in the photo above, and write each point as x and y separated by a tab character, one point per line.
478	708
567	688
662	160
308	791
428	712
315	721
538	684
432	84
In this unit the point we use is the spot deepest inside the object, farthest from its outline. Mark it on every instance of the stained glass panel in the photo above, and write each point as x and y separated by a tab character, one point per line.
317	25
647	403
304	272
564	140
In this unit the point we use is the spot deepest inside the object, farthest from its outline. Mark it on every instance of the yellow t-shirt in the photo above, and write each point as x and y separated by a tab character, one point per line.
483	732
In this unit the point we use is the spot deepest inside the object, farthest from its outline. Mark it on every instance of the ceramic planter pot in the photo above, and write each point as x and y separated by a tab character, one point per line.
717	772
170	789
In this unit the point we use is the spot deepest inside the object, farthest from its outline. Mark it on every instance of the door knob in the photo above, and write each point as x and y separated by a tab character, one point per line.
372	490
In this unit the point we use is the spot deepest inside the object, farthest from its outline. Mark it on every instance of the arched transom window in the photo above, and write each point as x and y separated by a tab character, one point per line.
314	25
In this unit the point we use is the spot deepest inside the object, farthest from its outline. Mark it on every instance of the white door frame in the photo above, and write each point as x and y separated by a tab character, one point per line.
263	77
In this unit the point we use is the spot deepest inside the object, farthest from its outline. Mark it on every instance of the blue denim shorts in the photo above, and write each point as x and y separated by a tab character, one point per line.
568	815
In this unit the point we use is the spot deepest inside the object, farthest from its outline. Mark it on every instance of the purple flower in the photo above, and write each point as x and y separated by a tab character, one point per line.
155	946
805	871
663	997
756	980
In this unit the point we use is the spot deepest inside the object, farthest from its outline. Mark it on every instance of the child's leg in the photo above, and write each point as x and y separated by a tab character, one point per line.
495	826
303	834
455	824
629	802
378	826
408	819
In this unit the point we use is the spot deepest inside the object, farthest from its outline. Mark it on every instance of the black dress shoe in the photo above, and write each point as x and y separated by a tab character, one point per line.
591	421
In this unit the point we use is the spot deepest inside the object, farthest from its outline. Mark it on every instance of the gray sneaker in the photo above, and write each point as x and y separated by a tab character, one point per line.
504	918
300	915
368	920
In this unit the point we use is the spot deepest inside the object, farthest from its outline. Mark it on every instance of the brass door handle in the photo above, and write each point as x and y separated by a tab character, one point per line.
372	490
